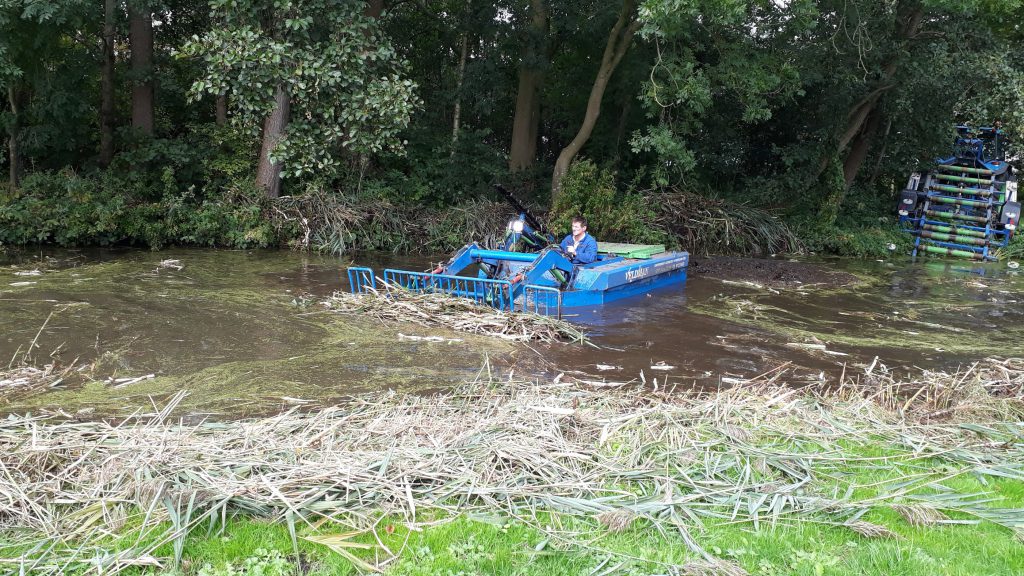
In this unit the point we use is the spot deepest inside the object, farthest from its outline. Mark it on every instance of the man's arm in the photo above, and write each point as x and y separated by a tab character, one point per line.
587	251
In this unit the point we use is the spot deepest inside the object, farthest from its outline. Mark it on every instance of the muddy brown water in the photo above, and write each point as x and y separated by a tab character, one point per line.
242	333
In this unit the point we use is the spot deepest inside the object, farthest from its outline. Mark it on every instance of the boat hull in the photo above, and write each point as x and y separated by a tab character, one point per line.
618	278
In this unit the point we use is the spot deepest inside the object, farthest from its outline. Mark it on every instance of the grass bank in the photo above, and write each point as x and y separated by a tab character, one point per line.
504	476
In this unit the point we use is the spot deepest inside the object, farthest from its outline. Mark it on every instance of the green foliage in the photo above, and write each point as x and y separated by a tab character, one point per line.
862	242
674	158
982	107
435	175
340	74
262	563
1014	250
66	209
611	216
746	101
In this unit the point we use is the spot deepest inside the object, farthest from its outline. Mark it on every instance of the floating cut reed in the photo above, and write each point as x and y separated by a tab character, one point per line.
395	304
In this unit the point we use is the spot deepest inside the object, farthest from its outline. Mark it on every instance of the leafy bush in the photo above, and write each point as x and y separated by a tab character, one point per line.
436	175
1014	250
611	216
67	209
863	242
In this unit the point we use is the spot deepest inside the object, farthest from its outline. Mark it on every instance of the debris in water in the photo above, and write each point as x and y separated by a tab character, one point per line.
606	367
291	400
433	310
172	264
122	382
816	348
662	366
428	338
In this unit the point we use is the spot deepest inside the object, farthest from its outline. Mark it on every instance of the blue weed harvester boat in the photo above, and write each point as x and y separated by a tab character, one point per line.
967	205
529	273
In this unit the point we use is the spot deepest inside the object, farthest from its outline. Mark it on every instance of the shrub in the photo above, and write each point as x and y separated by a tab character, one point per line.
611	216
67	209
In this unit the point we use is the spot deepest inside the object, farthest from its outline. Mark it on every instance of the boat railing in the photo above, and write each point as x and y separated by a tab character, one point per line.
360	278
546	300
498	294
494	293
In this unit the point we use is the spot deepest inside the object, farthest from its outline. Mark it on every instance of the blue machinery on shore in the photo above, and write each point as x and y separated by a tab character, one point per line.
967	206
531	274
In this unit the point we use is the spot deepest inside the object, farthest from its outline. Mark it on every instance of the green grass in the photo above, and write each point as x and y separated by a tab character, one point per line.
467	545
503	546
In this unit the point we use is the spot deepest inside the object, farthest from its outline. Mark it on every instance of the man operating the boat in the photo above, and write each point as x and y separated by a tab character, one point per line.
579	245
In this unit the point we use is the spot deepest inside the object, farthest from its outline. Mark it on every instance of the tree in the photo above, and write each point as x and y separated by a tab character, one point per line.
318	75
523	148
107	85
32	53
913	60
140	34
619	40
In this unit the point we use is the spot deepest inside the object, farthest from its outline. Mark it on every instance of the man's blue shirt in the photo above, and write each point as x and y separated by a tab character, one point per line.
586	252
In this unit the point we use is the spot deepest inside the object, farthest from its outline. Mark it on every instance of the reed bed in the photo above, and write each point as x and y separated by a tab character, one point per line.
758	452
335	224
705	225
395	304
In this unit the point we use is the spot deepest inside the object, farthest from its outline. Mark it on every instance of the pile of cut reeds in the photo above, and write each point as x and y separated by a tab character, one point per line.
395	304
336	224
758	452
713	226
19	378
988	389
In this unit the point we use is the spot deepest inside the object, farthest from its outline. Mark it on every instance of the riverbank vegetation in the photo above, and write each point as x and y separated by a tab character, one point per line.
917	473
751	127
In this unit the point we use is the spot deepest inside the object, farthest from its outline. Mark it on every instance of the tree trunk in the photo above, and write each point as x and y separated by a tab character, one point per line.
860	147
107	86
222	109
867	107
268	174
881	153
620	130
523	148
14	156
457	113
374	8
619	40
140	36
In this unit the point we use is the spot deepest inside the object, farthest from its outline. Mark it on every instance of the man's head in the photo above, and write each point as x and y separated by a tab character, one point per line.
579	225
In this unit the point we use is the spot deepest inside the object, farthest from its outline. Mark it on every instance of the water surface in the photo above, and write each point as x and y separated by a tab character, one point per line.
242	333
